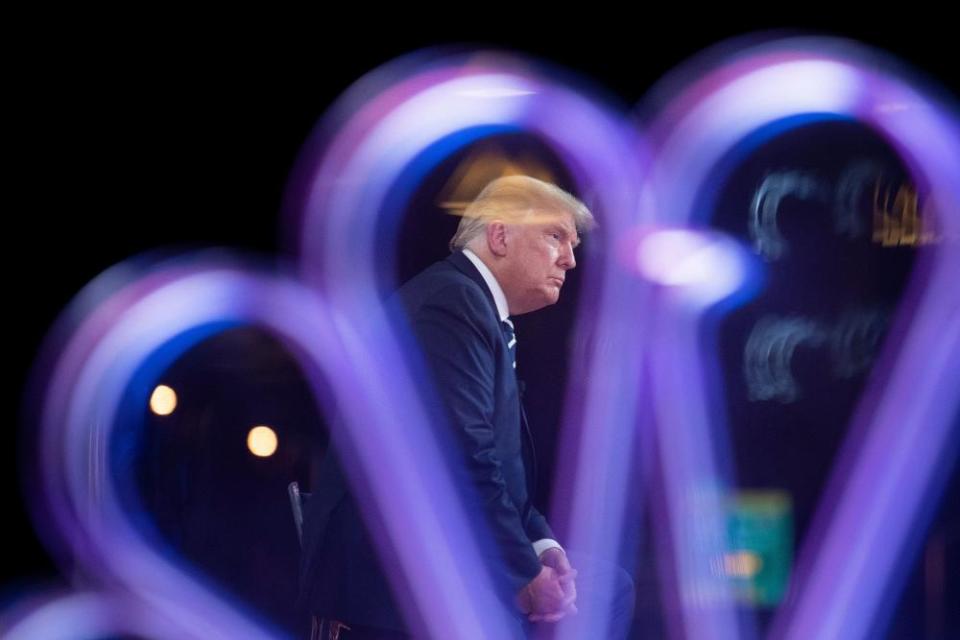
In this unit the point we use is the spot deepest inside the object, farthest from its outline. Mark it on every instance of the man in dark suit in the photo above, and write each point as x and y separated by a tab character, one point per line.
511	252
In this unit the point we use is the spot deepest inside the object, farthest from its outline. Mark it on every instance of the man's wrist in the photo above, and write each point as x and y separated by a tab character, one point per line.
545	544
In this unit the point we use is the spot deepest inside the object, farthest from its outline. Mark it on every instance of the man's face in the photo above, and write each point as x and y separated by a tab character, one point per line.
540	252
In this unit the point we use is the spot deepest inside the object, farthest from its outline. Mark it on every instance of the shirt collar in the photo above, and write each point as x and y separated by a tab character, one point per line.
498	296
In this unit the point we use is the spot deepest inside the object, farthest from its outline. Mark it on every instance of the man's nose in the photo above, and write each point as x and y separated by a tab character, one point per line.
567	259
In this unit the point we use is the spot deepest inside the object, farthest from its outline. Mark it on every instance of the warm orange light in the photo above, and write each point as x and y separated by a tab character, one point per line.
163	400
262	441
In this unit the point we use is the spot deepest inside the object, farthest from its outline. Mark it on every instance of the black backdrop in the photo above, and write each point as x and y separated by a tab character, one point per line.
162	134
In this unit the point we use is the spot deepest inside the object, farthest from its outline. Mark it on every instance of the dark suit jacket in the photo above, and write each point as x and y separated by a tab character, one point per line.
453	315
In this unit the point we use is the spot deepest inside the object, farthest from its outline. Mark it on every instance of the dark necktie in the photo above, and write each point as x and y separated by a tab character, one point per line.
530	465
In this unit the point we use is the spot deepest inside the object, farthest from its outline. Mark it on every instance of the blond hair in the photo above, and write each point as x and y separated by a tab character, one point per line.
512	198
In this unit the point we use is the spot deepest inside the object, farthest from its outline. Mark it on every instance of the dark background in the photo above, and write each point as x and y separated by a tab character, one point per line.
159	135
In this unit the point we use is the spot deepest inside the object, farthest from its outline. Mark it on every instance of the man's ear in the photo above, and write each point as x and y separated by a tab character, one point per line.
497	237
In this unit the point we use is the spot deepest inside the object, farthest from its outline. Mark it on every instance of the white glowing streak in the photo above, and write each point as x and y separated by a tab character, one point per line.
736	110
495	92
443	110
708	270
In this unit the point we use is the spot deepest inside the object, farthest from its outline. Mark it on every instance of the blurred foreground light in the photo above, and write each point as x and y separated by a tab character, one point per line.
163	400
262	441
495	92
742	564
759	560
706	265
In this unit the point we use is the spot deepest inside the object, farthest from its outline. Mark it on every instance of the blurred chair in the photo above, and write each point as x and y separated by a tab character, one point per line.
298	501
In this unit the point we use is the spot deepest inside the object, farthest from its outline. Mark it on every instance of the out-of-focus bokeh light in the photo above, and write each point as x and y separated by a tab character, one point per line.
262	441
706	265
742	564
163	400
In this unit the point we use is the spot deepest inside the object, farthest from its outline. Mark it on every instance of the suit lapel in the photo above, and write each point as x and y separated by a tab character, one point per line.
463	264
